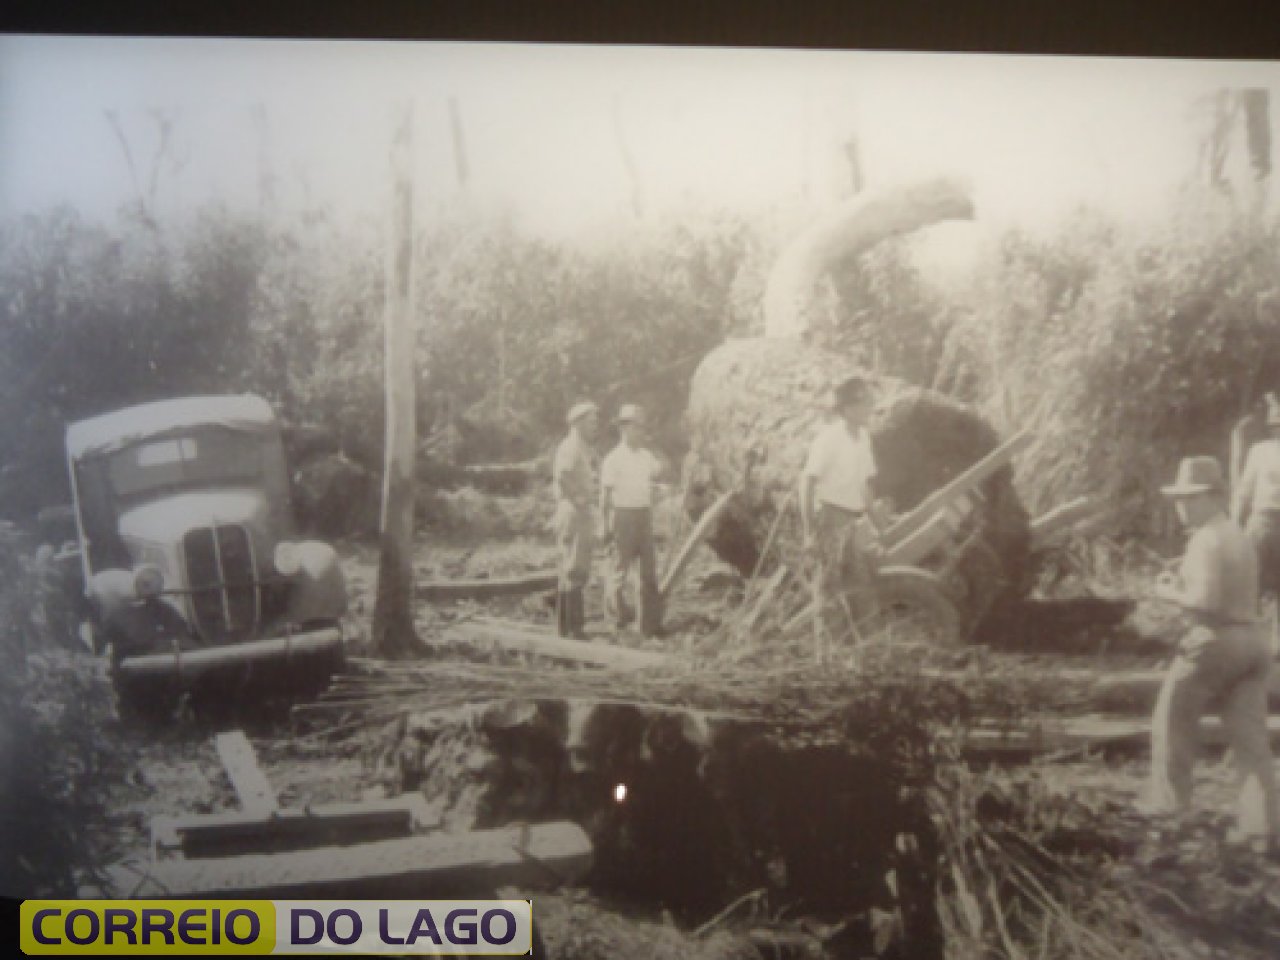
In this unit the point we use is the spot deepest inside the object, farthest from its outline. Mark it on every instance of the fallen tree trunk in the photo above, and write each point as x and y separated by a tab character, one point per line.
754	406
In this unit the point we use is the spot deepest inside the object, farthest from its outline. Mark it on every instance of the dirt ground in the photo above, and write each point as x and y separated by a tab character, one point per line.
176	770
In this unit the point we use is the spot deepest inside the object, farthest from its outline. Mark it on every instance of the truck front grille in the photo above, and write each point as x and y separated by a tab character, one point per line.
224	590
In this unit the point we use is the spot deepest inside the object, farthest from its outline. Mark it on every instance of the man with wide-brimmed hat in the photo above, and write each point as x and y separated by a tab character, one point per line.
626	508
573	475
1256	504
1223	657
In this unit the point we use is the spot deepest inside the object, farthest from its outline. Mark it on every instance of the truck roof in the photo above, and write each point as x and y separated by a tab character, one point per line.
114	431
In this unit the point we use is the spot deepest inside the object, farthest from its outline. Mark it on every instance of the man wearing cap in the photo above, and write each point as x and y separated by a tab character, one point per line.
835	497
573	476
1223	657
626	500
1256	505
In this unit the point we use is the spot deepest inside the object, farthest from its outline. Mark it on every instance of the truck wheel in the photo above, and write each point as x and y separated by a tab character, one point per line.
912	606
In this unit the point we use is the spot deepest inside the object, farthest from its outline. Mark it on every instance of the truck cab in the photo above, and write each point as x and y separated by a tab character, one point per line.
192	566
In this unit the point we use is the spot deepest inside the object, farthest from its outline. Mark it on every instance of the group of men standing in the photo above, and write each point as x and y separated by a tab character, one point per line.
1225	652
625	502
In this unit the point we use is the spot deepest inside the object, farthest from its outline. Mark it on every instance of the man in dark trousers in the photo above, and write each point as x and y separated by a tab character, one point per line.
573	474
836	497
626	508
1223	658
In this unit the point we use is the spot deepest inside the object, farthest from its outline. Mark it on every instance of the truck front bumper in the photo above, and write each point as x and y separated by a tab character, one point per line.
272	653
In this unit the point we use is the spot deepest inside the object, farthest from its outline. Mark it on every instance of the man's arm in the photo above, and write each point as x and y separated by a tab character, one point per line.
1243	494
1198	583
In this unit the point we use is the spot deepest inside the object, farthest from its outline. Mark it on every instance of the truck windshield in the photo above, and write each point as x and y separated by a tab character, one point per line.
200	458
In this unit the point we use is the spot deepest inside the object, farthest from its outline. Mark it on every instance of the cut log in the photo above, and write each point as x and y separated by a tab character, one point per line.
438	864
483	588
760	401
515	637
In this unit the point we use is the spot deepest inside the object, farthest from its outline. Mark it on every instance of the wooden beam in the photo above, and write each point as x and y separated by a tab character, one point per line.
241	831
1048	526
241	764
912	521
434	865
705	526
521	638
483	588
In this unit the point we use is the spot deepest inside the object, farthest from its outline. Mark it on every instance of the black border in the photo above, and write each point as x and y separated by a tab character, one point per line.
1187	28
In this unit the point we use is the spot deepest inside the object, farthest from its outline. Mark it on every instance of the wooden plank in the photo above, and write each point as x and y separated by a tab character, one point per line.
482	588
912	521
243	831
1090	732
705	526
522	638
1062	519
434	865
241	764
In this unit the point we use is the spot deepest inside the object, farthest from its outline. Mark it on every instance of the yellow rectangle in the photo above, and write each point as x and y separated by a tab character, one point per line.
68	928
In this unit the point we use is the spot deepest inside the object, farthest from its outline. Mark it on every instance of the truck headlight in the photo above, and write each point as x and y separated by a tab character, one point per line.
148	581
287	560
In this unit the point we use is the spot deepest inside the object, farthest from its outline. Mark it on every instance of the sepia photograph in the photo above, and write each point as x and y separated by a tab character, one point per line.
608	502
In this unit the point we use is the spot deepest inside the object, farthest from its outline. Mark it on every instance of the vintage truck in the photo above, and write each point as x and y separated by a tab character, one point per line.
194	577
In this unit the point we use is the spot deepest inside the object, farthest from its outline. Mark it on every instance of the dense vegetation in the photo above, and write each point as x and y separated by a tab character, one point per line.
1124	347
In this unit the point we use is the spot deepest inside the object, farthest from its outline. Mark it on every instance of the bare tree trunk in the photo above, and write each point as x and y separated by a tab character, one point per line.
460	165
628	162
1257	120
393	629
853	156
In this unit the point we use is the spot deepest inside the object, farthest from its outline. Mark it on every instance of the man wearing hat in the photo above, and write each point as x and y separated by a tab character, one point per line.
1256	505
626	501
836	497
573	475
1223	657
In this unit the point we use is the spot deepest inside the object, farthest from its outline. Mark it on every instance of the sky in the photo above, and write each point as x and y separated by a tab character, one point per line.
743	129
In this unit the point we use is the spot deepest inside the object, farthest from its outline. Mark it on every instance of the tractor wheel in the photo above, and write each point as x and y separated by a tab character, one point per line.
911	606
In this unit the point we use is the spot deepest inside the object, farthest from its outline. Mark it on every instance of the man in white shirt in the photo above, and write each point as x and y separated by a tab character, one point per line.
1223	659
626	500
836	497
1256	505
573	475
